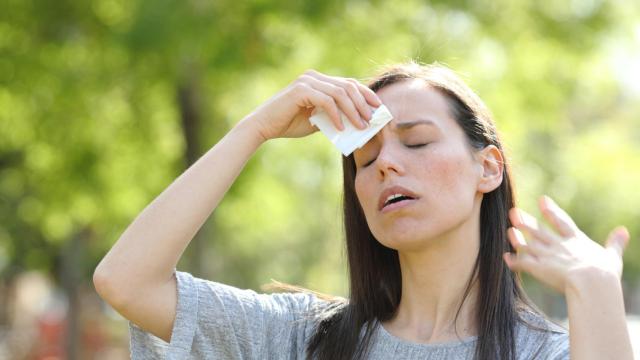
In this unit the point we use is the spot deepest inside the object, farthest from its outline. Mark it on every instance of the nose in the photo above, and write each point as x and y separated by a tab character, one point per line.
389	161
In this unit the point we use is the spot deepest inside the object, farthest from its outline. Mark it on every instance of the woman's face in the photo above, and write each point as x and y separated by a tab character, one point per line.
423	154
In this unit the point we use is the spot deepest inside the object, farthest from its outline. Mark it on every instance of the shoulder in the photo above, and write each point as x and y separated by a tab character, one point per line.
221	321
216	302
539	337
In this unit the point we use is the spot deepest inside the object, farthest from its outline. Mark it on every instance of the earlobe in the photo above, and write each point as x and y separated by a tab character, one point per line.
492	163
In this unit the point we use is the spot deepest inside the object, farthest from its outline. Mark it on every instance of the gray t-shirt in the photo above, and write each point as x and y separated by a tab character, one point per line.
217	321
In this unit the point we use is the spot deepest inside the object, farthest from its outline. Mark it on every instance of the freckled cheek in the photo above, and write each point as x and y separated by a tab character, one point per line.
445	173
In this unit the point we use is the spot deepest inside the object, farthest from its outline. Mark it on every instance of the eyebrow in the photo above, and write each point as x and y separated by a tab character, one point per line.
409	124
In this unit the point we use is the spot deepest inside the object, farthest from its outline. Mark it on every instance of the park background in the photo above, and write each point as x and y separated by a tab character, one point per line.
103	103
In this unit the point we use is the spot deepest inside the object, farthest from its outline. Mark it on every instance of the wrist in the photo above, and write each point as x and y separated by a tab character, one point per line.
250	127
591	280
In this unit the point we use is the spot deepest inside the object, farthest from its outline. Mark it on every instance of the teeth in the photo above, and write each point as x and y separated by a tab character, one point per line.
391	197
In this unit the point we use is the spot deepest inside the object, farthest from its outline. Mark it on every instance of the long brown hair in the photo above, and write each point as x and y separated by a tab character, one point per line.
346	327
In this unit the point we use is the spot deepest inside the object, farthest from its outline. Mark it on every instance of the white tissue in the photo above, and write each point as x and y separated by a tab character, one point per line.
351	137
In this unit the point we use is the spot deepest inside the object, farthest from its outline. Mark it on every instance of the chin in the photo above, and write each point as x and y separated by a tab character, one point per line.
404	245
406	239
413	234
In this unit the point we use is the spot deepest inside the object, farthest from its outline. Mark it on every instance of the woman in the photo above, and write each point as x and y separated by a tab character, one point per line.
431	227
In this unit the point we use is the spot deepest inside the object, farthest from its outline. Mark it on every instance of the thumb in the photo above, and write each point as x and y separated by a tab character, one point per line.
617	240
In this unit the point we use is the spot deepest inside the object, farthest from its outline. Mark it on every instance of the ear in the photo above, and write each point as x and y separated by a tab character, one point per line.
491	165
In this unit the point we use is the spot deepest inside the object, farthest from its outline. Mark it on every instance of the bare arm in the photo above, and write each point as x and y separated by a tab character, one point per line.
153	243
137	275
140	265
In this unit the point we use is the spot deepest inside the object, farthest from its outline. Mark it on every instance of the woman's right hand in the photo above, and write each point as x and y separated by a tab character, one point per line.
287	113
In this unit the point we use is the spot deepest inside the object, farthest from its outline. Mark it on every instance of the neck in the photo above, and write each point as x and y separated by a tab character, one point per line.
434	280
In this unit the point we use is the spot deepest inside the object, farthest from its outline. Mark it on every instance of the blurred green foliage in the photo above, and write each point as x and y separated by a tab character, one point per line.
91	131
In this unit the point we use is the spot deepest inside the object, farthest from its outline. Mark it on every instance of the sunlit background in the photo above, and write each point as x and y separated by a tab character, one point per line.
103	103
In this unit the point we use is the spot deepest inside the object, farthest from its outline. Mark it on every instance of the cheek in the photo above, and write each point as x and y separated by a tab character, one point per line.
452	175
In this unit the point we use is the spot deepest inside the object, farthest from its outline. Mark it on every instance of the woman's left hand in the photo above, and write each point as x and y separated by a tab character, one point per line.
556	258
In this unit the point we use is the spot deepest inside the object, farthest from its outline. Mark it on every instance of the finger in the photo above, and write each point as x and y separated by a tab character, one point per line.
312	97
617	240
534	248
529	224
520	262
341	97
557	217
356	91
516	238
369	95
357	97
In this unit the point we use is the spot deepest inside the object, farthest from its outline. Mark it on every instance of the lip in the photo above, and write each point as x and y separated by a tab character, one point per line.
397	205
395	190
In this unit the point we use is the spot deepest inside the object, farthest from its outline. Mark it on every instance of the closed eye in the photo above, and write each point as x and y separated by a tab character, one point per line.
414	146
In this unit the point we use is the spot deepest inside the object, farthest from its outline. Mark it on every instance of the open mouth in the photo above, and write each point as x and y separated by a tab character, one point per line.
393	199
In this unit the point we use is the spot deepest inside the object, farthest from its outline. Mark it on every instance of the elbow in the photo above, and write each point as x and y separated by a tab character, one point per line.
108	289
100	282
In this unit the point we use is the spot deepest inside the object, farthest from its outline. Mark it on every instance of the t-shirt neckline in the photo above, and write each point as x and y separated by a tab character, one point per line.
388	337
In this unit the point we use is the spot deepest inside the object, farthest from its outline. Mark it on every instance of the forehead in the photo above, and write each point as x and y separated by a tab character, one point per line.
412	99
413	102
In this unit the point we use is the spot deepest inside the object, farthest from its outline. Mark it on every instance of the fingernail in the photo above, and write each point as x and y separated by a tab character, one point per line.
520	237
621	233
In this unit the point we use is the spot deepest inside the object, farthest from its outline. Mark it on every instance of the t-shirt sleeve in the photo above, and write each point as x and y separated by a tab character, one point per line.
217	321
539	338
558	347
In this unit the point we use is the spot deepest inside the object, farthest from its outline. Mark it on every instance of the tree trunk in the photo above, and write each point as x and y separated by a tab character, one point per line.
70	276
191	121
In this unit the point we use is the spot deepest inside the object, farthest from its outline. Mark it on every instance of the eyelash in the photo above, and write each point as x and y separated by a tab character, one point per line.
416	146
